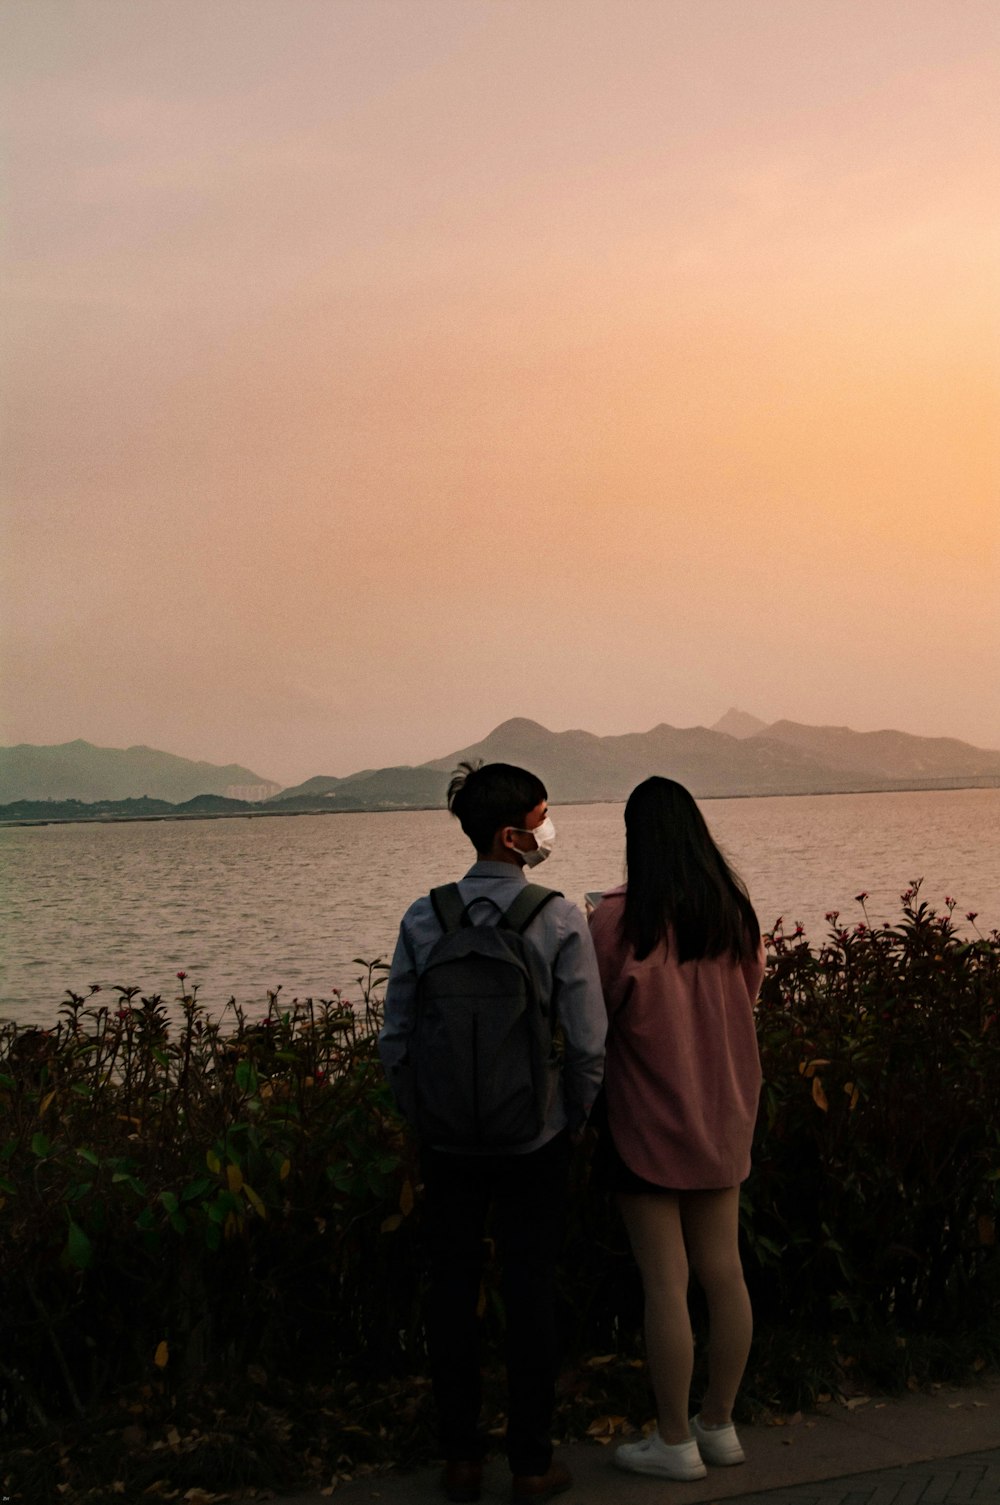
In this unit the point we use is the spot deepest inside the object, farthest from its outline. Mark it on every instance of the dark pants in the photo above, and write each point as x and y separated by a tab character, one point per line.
527	1194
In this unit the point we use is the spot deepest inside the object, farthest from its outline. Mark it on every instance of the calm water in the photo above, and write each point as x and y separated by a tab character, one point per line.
242	905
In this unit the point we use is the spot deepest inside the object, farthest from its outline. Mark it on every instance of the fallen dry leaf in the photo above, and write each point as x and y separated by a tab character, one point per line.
603	1428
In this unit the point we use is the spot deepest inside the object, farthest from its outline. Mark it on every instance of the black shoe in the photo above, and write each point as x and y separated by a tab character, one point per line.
556	1478
462	1480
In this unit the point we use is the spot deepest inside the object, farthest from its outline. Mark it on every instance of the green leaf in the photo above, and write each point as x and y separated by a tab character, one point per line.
197	1188
8	1187
169	1201
246	1077
132	1182
79	1249
41	1145
89	1156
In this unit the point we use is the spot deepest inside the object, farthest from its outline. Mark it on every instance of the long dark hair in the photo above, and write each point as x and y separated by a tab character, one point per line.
679	880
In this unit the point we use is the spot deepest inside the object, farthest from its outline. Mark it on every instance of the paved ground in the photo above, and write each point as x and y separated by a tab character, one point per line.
974	1477
936	1449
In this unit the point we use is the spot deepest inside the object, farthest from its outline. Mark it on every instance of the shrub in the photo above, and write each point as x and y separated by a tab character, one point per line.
875	1192
199	1204
209	1236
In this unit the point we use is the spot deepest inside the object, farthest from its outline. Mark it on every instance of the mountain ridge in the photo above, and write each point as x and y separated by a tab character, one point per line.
87	771
577	766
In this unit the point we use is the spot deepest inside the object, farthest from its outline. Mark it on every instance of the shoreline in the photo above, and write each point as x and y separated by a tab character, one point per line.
935	786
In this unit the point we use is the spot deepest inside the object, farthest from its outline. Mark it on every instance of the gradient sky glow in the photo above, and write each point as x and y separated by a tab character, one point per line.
376	370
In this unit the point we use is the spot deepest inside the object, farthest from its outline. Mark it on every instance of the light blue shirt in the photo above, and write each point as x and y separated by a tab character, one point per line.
561	935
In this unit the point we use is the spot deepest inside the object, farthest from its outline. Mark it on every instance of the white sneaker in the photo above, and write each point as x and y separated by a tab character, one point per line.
718	1445
651	1455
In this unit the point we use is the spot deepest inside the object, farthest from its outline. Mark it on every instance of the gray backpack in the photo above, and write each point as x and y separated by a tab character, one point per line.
482	1059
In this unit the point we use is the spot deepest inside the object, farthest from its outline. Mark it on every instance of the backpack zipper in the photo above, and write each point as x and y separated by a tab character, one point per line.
475	1079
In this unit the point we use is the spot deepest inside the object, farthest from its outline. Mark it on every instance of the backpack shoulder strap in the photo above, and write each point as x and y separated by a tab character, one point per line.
448	906
530	901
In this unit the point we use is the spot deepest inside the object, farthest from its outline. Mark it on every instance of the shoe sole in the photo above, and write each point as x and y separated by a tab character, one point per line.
557	1489
657	1471
550	1494
729	1459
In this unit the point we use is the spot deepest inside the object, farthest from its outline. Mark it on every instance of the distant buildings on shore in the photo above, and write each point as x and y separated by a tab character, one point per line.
254	793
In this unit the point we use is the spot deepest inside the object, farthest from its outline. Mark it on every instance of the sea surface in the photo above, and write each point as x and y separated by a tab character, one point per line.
245	904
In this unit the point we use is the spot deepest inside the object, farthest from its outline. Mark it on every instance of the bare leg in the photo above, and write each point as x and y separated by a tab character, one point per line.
655	1233
710	1220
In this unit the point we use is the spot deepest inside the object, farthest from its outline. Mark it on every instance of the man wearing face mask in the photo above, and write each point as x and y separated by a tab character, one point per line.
504	812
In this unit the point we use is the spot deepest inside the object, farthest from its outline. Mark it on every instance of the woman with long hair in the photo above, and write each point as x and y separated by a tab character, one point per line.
681	962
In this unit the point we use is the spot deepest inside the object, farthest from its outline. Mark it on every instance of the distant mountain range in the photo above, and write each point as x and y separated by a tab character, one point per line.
80	771
739	755
755	758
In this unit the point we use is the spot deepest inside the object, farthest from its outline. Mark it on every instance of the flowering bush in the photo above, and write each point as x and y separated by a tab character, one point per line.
178	1207
209	1237
876	1185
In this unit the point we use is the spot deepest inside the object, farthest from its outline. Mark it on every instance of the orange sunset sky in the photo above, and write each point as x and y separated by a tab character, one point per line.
375	370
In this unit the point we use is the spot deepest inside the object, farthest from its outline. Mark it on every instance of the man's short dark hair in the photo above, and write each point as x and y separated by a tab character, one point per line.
487	796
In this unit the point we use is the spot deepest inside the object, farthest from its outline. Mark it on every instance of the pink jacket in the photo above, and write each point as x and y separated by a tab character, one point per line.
682	1075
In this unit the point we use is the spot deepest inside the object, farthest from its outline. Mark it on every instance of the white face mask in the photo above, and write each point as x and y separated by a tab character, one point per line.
545	836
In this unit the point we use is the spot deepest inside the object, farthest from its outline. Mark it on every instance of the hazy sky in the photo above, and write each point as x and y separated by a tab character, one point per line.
375	370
